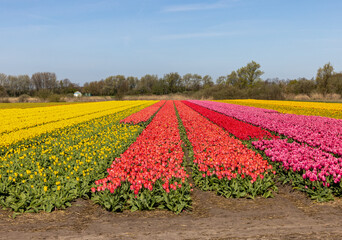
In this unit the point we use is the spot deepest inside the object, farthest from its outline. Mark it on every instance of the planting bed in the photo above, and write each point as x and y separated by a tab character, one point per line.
289	215
217	166
222	163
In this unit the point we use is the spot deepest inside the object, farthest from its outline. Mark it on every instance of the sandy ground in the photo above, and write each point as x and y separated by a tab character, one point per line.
289	215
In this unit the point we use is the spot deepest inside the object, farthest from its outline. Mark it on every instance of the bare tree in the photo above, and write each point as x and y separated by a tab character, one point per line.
44	80
3	79
25	84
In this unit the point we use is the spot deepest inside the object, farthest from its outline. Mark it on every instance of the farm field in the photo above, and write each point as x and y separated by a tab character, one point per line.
33	105
332	110
20	124
216	164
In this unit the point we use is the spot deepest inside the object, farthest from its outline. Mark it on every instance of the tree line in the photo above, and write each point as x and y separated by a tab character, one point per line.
41	84
244	82
149	84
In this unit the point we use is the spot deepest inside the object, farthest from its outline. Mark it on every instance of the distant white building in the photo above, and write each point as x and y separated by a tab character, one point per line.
77	94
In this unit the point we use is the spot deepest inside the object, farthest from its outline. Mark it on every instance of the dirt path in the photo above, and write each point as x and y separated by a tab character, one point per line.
289	215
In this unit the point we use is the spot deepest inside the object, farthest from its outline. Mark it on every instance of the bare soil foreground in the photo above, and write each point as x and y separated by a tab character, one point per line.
289	215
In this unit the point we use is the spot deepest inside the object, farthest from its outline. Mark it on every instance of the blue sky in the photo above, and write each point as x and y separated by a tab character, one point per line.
87	40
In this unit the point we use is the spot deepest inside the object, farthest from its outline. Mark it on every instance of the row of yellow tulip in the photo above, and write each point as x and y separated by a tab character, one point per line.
53	169
20	124
33	105
332	110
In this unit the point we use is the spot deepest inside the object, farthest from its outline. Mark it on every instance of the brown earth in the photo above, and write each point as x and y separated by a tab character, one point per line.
289	215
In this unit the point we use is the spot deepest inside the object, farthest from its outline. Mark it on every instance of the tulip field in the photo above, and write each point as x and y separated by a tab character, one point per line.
332	110
144	155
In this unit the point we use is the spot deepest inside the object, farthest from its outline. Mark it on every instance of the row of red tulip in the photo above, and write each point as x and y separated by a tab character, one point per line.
307	165
218	154
156	155
143	115
320	132
241	130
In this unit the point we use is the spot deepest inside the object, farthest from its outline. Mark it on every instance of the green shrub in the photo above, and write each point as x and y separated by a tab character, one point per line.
55	98
23	98
43	94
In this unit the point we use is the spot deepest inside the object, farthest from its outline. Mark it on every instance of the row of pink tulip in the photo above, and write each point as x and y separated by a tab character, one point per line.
321	132
312	163
241	130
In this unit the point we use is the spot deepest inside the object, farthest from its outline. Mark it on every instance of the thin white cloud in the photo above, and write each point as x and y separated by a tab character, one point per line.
197	7
197	35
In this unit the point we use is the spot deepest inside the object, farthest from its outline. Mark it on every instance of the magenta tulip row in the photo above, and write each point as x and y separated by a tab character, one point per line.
321	132
241	130
315	164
